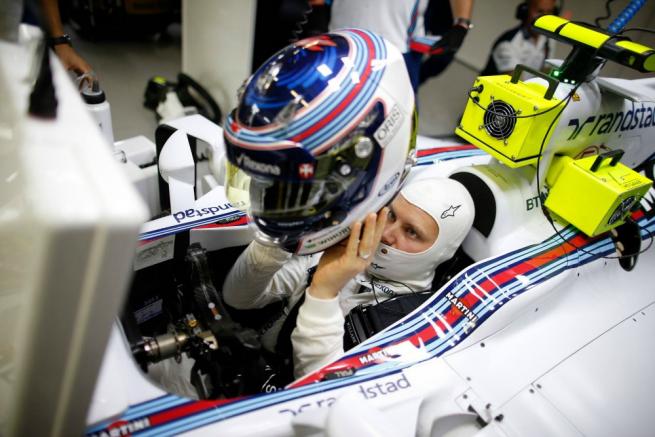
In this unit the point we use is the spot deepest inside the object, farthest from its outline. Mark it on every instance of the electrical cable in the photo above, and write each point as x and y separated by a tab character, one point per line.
637	29
607	11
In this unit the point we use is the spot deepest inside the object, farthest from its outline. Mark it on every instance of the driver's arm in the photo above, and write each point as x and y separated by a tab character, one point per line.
318	336
66	53
257	277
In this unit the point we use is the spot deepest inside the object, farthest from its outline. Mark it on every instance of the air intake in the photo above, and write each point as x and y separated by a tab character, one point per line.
499	119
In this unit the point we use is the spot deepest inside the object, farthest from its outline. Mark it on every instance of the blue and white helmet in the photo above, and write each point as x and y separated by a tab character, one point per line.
323	134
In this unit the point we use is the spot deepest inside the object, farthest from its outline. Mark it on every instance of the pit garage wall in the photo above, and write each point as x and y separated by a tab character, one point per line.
442	98
217	44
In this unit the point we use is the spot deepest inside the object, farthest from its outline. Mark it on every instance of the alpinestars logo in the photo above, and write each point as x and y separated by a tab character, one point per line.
450	212
260	167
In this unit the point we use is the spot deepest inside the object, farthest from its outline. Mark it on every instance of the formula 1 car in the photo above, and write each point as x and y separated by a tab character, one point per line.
539	329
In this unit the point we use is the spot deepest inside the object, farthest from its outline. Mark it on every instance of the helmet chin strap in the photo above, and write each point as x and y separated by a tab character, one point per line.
409	163
268	240
411	155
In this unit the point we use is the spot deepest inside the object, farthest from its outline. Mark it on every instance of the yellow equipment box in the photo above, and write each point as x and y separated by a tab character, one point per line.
594	194
509	118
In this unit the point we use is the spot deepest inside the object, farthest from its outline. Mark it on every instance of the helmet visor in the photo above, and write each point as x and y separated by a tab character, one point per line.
271	197
286	182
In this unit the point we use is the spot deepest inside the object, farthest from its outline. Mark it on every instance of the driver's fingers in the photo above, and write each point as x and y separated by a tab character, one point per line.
367	244
353	240
380	224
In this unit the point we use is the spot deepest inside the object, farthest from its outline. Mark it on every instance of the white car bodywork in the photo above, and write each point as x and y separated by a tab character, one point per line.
538	337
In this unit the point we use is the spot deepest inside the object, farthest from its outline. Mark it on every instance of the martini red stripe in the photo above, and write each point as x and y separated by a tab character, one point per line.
353	93
452	316
186	410
436	150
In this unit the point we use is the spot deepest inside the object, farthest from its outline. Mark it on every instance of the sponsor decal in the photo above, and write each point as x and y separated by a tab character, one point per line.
450	212
385	133
613	122
532	203
383	288
154	252
123	428
376	356
292	224
461	307
244	161
151	308
295	410
389	184
211	210
621	210
372	391
334	237
306	170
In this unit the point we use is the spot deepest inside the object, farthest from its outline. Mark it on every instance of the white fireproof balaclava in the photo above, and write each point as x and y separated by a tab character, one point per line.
451	206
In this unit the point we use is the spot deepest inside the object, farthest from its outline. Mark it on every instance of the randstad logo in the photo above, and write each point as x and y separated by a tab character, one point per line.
189	213
614	122
260	167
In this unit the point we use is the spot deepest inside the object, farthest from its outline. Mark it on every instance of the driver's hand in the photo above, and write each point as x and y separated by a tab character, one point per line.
341	262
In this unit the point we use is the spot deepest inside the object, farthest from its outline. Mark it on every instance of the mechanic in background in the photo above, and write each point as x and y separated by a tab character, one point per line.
522	44
401	22
59	41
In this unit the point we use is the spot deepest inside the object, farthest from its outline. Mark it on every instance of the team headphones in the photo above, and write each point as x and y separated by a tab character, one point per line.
522	10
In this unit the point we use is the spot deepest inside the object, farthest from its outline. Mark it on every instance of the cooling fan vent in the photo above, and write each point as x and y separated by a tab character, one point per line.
499	119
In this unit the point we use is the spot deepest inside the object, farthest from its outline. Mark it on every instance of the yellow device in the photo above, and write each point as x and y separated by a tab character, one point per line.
509	118
600	44
594	194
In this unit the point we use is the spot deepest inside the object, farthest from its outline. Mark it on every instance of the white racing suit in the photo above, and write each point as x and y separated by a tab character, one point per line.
263	275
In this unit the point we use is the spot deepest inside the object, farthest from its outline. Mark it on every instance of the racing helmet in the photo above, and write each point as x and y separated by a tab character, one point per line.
323	134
